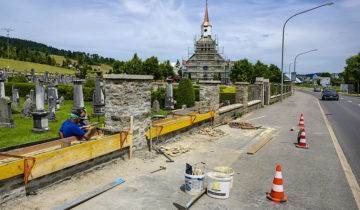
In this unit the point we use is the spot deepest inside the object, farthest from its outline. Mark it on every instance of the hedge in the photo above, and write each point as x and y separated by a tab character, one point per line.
159	95
63	90
227	96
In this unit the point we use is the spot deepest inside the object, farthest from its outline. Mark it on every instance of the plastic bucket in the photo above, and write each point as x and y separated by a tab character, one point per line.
226	170
194	183
218	185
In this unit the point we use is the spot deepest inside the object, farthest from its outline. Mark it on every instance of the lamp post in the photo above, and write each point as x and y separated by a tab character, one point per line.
282	49
302	54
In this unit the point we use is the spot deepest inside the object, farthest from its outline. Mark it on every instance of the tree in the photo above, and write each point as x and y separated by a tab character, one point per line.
117	67
242	71
133	66
352	71
325	74
178	68
151	67
185	93
260	70
275	73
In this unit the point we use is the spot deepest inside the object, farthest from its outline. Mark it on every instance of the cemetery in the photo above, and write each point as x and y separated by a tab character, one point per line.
126	115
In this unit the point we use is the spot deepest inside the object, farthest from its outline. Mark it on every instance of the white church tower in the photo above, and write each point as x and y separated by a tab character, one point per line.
206	26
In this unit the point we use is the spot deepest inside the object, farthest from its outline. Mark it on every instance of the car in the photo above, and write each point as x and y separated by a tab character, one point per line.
317	89
330	93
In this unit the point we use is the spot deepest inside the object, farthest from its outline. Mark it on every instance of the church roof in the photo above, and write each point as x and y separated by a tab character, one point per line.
206	18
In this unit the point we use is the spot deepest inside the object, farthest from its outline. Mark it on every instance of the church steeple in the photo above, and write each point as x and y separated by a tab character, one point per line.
206	18
206	26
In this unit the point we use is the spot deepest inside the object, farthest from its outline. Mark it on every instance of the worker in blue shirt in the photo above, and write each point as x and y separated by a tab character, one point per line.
71	126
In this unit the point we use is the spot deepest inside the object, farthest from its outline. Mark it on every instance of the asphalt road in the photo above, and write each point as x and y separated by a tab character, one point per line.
344	117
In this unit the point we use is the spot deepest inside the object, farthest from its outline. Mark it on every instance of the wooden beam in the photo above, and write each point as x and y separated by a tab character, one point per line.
260	145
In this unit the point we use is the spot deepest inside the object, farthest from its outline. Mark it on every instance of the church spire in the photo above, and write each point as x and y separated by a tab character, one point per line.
206	18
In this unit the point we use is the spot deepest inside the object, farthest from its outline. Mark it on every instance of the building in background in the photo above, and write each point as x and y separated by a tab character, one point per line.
207	62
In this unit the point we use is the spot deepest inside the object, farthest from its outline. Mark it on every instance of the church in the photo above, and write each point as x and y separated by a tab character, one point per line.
207	63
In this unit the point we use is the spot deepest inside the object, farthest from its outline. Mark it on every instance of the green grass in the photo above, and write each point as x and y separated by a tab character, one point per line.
39	68
22	133
59	59
162	112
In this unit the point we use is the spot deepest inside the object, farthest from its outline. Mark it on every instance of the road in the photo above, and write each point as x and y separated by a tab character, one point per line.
344	117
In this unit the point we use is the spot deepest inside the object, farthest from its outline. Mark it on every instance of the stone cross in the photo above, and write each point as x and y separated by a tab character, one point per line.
98	96
15	96
78	92
169	100
2	85
6	119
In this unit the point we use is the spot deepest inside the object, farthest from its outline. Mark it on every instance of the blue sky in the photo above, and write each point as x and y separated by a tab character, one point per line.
166	28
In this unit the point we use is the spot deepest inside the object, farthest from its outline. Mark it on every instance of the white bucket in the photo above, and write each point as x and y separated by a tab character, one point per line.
194	183
226	170
218	185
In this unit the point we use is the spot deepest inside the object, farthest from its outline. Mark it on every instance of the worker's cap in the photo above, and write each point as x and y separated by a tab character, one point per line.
76	114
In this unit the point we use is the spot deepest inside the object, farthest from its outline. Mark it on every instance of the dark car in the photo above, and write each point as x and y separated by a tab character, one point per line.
317	89
330	93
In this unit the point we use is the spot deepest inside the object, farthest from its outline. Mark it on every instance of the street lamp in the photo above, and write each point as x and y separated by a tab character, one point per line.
302	54
282	49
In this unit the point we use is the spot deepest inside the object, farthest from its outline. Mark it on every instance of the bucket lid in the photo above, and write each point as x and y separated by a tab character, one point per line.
219	176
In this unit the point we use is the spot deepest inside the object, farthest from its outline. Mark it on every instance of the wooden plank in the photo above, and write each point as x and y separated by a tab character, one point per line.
174	118
55	160
260	145
170	127
74	202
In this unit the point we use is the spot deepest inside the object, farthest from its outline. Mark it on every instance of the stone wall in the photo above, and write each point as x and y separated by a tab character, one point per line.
126	96
209	95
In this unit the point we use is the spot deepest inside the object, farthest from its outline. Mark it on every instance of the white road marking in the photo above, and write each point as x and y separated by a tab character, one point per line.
341	98
349	101
354	186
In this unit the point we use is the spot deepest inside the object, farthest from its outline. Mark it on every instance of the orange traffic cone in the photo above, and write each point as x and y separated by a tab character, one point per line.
277	191
302	143
301	123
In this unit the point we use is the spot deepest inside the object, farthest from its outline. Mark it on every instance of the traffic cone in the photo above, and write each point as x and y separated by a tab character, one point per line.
301	123
302	143
277	190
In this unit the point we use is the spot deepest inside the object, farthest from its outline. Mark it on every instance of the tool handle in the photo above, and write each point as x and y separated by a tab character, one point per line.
195	198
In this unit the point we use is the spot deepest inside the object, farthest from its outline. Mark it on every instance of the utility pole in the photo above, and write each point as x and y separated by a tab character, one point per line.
8	36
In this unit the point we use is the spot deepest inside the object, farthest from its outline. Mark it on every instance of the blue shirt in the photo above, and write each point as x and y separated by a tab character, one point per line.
69	129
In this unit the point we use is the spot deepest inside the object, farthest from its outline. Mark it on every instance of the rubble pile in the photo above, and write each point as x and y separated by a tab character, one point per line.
212	132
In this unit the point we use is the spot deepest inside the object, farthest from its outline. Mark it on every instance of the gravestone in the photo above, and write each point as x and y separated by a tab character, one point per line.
46	76
15	97
19	73
45	95
169	100
2	85
155	107
51	109
98	96
40	116
78	92
62	101
25	73
27	108
6	119
32	98
5	75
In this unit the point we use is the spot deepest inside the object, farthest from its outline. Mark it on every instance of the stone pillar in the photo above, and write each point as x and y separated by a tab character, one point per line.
241	94
276	89
169	100
99	97
2	85
78	98
126	96
32	98
267	92
40	116
260	82
209	95
15	97
6	119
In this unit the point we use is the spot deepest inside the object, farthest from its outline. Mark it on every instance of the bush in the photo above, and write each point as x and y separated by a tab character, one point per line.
227	96
159	95
90	83
18	79
185	93
63	90
197	94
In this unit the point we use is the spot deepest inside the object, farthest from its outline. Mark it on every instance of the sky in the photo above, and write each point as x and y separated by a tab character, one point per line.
167	28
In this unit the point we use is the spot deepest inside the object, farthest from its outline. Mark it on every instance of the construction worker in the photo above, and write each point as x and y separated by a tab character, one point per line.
71	127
